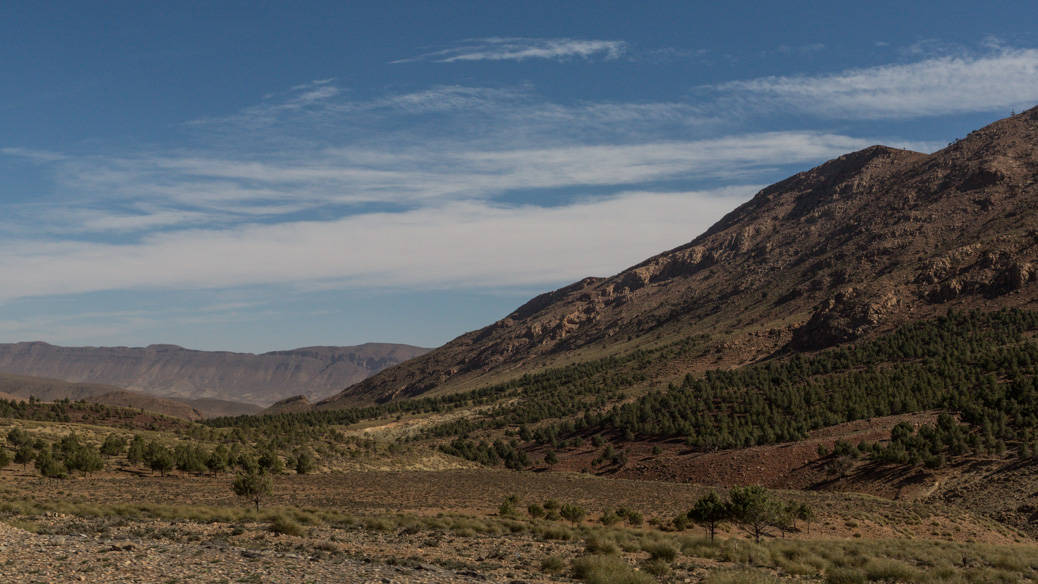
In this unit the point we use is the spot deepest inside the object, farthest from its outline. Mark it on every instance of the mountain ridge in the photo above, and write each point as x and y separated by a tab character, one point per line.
856	244
171	371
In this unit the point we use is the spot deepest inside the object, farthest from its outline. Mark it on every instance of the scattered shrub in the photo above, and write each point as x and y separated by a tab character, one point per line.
572	513
284	525
660	551
608	569
553	565
598	543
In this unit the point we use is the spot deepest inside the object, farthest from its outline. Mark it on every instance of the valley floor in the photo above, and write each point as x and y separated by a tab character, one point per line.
446	526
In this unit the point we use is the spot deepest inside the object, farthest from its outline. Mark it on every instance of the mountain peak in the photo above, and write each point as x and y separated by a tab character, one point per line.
859	243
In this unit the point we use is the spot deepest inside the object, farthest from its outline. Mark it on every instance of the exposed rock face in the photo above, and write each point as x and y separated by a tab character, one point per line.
172	371
844	317
862	242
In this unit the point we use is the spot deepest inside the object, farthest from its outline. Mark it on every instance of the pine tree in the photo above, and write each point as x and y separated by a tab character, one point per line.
754	509
709	511
253	486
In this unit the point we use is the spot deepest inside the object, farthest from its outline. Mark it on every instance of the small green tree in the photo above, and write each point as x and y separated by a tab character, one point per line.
572	513
754	509
271	462
18	437
304	462
710	511
114	445
253	486
85	459
49	465
159	458
247	463
218	460
190	458
803	513
137	450
5	458
24	455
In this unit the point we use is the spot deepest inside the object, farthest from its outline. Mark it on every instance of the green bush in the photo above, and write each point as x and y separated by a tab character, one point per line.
740	576
660	551
285	525
844	576
656	567
878	569
559	532
598	543
608	569
553	565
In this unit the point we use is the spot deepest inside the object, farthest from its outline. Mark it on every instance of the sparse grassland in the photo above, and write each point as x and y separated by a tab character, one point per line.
452	523
456	547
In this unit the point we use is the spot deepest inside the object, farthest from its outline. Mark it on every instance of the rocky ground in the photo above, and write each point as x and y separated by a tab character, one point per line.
147	552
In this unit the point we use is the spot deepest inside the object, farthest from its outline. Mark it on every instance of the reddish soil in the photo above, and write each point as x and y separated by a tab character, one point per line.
792	465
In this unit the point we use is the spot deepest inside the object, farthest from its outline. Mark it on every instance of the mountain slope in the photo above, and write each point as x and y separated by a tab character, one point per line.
21	387
175	372
858	244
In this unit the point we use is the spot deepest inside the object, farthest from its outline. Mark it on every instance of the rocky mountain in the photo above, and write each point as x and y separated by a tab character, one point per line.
857	245
170	371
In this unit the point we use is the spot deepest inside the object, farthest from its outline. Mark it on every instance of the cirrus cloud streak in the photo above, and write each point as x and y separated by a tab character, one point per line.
522	49
937	86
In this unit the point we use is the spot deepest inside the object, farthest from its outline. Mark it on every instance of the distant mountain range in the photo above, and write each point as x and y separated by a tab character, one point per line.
208	381
855	246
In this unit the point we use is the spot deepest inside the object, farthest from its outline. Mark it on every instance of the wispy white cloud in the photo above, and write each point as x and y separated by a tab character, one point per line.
457	244
521	49
432	173
283	192
416	148
94	221
934	86
31	154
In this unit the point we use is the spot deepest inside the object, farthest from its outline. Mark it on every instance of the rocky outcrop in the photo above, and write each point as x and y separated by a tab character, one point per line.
845	317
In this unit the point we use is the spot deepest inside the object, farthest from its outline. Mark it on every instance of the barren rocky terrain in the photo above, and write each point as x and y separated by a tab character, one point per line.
447	526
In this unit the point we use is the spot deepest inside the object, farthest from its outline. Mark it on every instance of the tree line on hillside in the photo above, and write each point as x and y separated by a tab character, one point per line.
545	395
70	453
978	365
66	410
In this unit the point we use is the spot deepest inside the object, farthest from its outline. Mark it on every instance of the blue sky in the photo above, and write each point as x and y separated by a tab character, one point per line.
255	176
